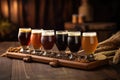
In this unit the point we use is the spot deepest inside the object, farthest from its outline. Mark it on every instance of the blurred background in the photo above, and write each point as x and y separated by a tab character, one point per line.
102	16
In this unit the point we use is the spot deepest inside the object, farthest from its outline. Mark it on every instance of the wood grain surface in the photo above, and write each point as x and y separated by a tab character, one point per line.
12	69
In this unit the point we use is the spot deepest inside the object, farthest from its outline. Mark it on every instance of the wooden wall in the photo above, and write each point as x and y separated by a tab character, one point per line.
52	14
4	8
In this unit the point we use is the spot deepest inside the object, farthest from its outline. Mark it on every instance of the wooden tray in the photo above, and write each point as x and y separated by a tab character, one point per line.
56	62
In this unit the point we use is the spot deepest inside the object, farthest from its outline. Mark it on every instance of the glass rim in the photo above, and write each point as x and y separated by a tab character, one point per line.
36	30
25	29
62	32
48	32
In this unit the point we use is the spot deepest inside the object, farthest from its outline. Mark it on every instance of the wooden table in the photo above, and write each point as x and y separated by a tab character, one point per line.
13	69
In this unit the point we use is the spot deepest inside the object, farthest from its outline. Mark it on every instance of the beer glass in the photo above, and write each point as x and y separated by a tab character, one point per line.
74	42
47	40
24	38
36	39
61	41
89	42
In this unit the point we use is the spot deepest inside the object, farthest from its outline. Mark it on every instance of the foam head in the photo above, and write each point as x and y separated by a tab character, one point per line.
89	34
74	33
25	29
36	31
61	32
48	32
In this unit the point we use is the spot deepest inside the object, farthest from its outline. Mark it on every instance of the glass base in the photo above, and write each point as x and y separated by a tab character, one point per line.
25	49
36	51
45	53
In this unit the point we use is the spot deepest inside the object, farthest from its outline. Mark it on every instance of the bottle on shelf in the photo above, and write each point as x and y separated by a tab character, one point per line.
74	18
85	10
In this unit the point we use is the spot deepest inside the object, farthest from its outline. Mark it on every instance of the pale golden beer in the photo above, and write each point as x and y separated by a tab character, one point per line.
89	42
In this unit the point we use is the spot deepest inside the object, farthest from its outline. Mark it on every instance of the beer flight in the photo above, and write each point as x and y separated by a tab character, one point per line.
74	40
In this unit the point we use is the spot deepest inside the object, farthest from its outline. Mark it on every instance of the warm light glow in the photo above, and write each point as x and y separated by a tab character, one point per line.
4	8
14	10
15	5
20	14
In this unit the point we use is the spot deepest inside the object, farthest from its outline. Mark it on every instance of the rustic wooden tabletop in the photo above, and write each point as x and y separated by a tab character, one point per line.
13	69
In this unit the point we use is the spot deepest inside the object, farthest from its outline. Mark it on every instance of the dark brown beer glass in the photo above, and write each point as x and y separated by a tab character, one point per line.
74	42
61	41
24	38
47	39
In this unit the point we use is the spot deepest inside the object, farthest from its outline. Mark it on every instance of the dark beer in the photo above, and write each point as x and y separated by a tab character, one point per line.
61	40
24	36
74	41
48	39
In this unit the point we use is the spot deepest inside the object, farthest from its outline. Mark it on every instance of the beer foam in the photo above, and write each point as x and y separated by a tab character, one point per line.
48	32
74	33
89	34
61	32
36	31
25	29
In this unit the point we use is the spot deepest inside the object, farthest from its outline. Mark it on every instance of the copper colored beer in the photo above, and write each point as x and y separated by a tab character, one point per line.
89	42
36	38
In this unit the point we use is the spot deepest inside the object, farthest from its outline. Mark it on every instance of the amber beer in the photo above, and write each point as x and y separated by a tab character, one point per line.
47	39
36	38
89	42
